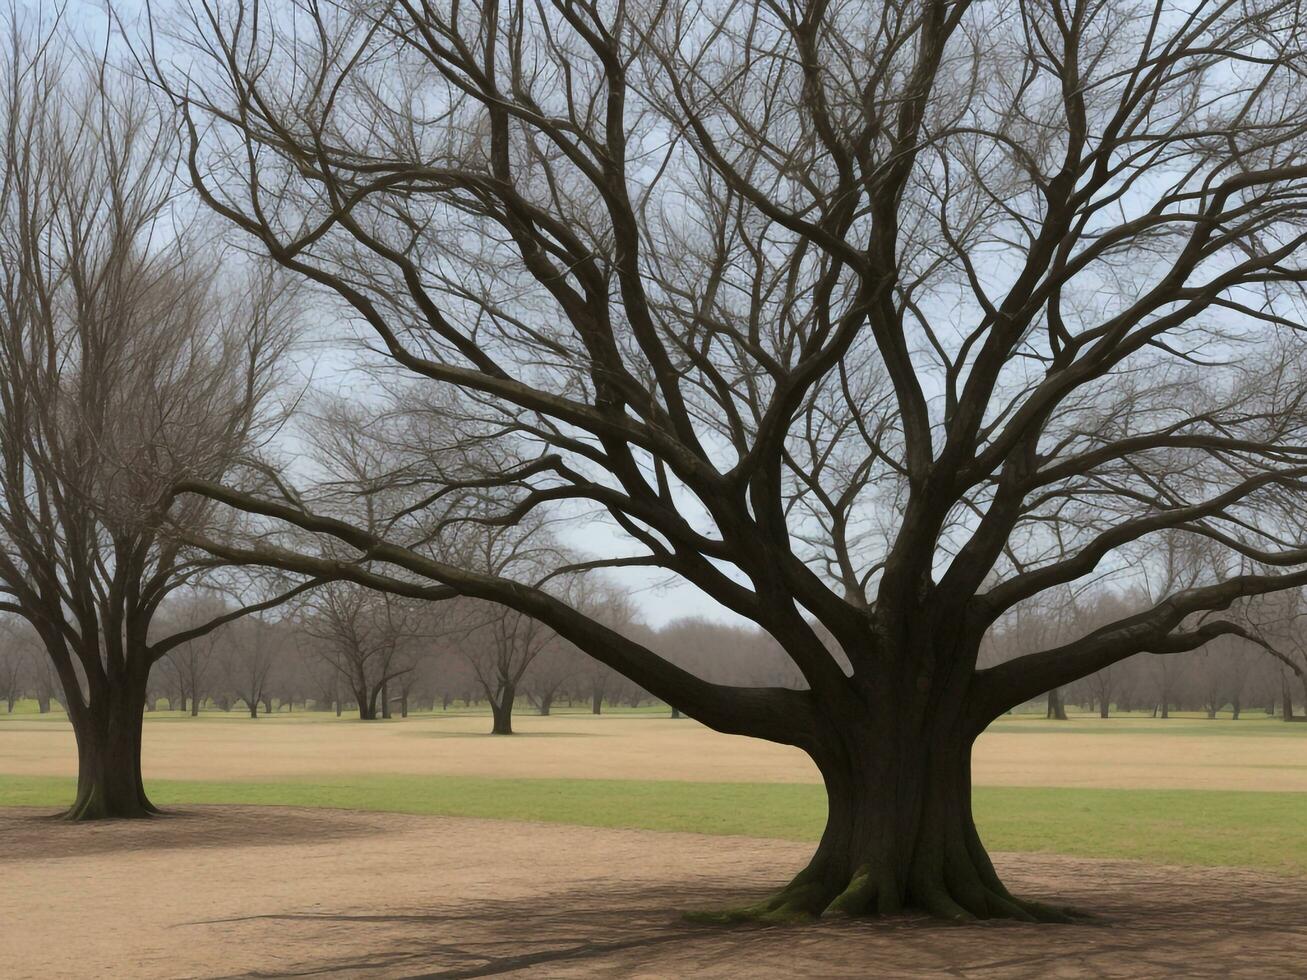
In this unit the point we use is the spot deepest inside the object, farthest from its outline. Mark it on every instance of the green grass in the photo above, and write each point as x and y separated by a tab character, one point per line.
1195	827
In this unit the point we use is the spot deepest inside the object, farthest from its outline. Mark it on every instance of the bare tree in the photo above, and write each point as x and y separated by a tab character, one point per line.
362	635
11	669
190	665
131	356
249	657
501	644
872	321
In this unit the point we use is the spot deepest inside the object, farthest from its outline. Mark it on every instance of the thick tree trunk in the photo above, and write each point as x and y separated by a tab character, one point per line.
195	706
502	712
899	834
676	712
254	707
385	700
1286	698
596	703
1103	709
43	704
108	736
367	708
403	705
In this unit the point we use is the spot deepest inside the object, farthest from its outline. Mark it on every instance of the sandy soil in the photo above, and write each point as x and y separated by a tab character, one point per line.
243	892
645	748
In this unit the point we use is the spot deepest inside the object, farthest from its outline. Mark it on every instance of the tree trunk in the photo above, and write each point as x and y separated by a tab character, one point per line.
676	712
43	704
403	705
1056	707
1103	708
502	711
108	737
546	704
899	833
1286	697
596	703
385	700
195	705
367	707
254	707
1234	709
1211	713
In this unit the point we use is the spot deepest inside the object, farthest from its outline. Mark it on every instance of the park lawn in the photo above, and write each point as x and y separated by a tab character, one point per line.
1193	827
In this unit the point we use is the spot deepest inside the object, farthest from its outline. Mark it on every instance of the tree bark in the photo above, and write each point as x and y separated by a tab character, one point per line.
367	707
501	710
1056	707
108	734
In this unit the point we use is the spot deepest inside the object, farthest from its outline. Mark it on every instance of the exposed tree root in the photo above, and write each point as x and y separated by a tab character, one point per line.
871	894
94	807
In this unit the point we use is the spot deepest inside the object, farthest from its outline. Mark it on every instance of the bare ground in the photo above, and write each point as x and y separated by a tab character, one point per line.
582	746
274	892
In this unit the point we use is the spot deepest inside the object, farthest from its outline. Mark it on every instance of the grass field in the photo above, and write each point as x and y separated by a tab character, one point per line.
1195	827
1129	787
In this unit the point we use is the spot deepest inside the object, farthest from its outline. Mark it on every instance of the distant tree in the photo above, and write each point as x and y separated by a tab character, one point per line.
190	665
11	671
362	637
249	657
500	644
550	673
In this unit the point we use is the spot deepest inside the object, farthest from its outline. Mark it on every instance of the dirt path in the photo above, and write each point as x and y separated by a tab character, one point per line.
271	892
582	746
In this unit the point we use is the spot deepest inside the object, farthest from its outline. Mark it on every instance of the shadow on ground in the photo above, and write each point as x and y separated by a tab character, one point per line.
1146	922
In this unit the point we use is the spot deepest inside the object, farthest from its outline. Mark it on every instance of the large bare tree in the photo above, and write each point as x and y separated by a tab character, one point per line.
130	357
871	320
